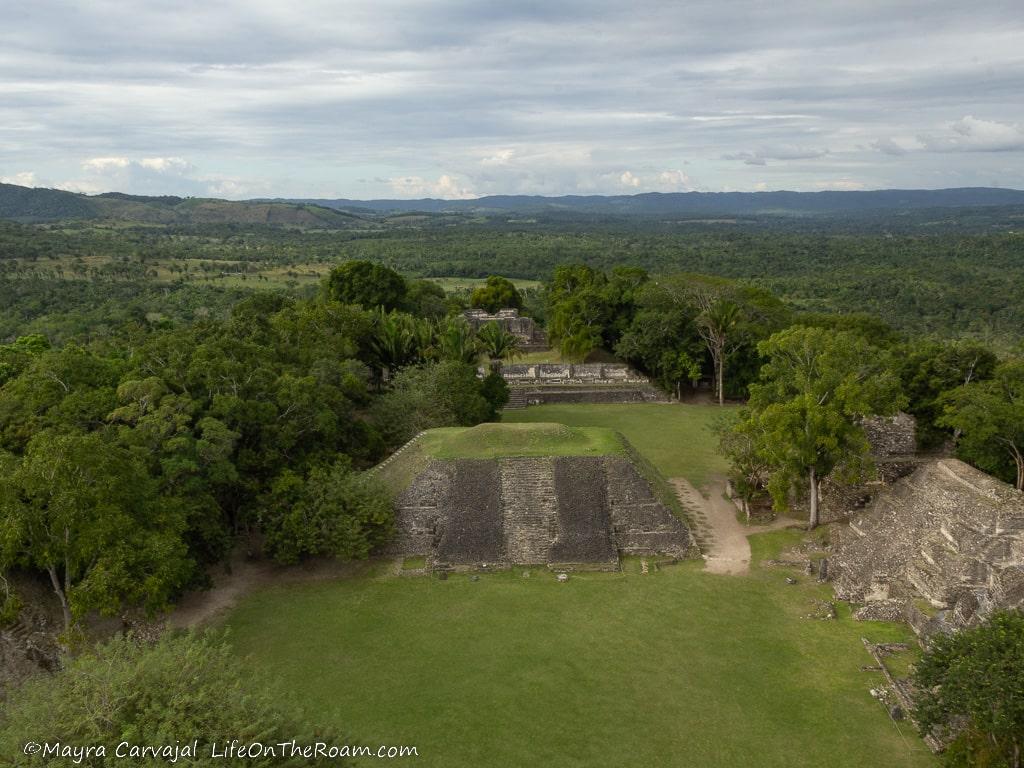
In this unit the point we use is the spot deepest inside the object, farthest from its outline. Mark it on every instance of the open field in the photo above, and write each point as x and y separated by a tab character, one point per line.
676	438
453	284
673	668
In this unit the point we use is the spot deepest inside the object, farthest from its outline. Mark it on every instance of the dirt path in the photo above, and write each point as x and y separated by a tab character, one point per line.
198	608
725	538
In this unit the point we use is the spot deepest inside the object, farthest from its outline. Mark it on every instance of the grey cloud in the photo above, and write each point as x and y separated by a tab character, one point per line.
748	93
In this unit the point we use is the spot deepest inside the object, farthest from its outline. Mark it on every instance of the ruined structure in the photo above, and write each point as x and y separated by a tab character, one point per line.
942	548
568	511
540	383
893	442
531	336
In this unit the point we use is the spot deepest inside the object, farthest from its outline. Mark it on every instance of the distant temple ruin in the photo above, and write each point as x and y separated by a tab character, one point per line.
531	336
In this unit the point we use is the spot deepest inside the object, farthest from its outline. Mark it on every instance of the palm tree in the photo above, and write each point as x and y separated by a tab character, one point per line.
394	341
498	344
716	325
456	341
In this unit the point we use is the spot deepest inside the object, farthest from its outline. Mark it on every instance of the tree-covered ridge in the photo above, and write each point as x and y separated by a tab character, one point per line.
945	283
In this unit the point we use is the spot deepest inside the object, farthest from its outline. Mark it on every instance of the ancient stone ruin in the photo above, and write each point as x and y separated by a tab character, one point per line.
893	442
558	511
531	336
540	383
942	548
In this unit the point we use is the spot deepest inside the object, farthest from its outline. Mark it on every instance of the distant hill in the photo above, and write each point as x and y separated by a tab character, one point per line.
39	205
702	203
29	205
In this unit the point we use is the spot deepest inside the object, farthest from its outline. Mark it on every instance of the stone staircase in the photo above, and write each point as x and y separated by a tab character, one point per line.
516	399
530	509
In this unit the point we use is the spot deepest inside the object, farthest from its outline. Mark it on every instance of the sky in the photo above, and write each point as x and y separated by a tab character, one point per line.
386	99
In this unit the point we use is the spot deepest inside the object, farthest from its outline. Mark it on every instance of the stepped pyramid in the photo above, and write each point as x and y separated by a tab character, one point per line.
948	535
568	510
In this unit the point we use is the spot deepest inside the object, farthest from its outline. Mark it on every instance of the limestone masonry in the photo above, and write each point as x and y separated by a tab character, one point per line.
942	547
568	510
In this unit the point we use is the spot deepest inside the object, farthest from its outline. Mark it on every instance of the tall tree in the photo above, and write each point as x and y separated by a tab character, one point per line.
716	325
990	416
84	512
367	284
806	411
497	293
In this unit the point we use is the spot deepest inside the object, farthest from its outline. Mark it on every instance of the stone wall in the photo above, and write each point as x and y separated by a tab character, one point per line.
530	335
570	373
581	510
891	435
945	545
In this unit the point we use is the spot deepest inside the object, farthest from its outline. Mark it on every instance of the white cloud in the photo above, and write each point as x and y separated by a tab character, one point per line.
627	179
500	157
175	164
673	181
446	187
972	134
22	179
105	164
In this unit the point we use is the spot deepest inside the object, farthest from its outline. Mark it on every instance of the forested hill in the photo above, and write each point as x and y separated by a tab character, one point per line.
705	203
28	205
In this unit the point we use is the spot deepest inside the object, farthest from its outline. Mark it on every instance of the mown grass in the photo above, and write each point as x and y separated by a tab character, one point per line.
676	438
494	441
671	668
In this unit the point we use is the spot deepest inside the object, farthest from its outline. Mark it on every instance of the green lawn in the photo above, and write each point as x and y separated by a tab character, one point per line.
451	284
672	668
676	438
495	441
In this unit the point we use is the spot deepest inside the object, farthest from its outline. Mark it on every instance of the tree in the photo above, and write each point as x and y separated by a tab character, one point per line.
84	511
497	343
334	512
184	687
929	370
805	413
740	443
716	324
456	341
367	284
497	293
396	341
971	683
990	416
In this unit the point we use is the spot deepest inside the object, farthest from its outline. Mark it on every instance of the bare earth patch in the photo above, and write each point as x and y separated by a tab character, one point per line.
725	538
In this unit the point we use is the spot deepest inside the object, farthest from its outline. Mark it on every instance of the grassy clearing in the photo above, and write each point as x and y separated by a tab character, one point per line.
493	441
457	284
671	668
676	438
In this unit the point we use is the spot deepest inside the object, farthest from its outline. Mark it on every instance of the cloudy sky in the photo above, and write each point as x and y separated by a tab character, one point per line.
339	98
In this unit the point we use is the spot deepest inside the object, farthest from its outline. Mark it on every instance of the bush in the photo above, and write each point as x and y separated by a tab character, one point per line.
184	687
972	683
